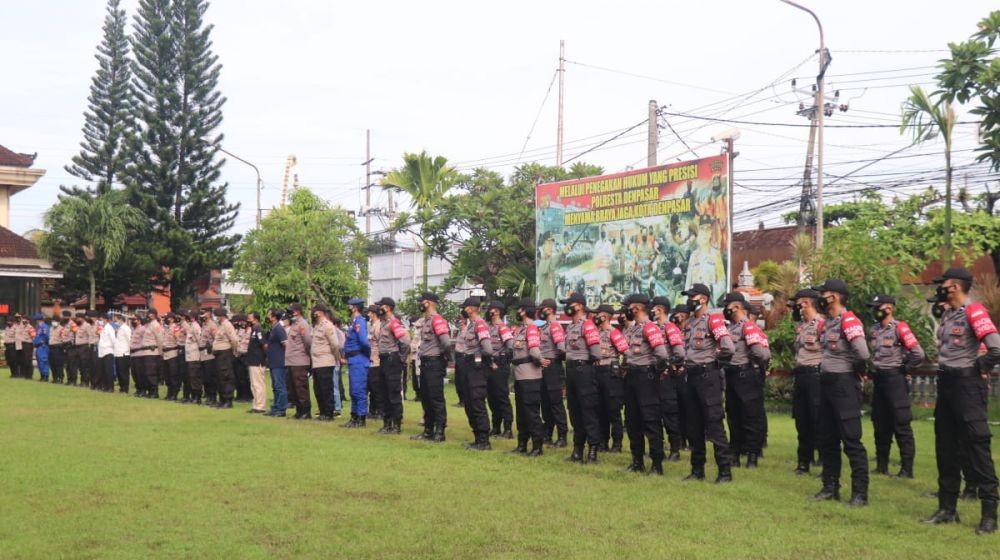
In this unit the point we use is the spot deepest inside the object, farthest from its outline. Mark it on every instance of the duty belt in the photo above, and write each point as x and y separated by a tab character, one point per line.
521	361
898	370
958	372
143	348
353	353
740	369
577	363
806	369
698	368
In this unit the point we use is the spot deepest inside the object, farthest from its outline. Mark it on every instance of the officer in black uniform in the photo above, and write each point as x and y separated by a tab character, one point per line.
960	419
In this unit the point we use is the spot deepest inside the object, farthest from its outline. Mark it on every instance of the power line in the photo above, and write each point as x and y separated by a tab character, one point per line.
793	125
539	114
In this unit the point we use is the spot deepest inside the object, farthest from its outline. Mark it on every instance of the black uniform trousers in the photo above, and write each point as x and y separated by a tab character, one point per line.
611	391
703	405
584	403
643	414
670	410
241	379
891	416
474	378
210	379
376	395
107	382
681	386
150	374
392	385
432	373
528	402
26	354
745	409
460	384
553	410
139	380
182	367
10	356
194	378
323	389
840	423
72	364
224	371
960	425
57	360
805	411
172	368
123	367
83	362
498	394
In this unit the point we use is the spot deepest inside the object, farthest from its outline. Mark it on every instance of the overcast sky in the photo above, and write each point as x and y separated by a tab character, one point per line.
466	80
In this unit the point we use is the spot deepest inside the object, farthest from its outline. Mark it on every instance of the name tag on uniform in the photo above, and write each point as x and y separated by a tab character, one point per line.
809	339
957	331
887	342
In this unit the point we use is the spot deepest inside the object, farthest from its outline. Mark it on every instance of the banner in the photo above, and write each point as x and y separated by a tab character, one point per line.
654	231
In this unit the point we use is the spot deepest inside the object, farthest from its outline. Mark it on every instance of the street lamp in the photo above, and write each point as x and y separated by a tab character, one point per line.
238	158
820	110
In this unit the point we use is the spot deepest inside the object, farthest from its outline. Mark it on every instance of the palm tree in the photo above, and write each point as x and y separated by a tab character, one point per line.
426	181
96	226
926	118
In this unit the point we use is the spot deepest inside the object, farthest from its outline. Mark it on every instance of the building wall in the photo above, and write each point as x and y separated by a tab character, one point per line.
392	274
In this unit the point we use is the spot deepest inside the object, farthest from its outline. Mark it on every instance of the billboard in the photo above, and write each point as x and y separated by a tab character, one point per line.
655	231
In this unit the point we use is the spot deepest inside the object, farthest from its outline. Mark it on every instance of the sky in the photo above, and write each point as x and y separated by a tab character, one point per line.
466	80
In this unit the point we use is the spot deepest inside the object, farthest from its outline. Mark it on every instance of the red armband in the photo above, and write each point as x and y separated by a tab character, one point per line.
979	320
619	341
397	329
752	334
557	333
717	324
653	334
851	326
590	333
674	335
505	333
532	337
439	325
482	331
906	336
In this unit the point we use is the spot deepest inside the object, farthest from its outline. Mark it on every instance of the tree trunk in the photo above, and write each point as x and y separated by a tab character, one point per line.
93	289
947	208
426	259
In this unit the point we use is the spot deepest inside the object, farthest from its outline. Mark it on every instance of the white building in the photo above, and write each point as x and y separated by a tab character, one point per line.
392	274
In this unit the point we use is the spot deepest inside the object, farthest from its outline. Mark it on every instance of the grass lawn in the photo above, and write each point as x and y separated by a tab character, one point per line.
93	475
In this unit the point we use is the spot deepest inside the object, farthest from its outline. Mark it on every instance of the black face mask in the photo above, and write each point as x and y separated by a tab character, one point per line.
381	312
693	304
544	314
677	321
881	314
423	308
796	313
598	320
465	314
627	313
728	314
942	293
569	310
937	310
824	304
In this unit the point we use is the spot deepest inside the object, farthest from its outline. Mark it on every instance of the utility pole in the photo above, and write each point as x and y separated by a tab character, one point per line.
807	209
562	91
368	181
821	109
653	140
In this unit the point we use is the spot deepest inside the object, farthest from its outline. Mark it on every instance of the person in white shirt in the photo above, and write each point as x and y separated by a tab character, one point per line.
106	355
123	342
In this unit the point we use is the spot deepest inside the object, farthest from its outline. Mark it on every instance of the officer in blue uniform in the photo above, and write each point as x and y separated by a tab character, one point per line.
41	343
358	350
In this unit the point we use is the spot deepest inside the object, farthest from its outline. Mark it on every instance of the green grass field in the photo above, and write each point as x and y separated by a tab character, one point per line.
93	475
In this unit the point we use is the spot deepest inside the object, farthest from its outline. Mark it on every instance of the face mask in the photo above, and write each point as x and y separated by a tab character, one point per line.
569	310
942	293
539	323
694	304
796	313
423	308
544	314
728	314
381	312
629	316
937	310
824	304
676	320
880	314
598	320
465	314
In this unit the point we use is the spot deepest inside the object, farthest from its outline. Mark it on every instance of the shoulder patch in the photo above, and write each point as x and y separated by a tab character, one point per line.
979	320
619	341
717	325
532	336
653	334
590	333
439	325
752	334
851	326
556	332
906	336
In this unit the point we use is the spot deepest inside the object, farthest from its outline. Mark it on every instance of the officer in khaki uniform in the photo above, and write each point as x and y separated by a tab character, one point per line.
60	342
323	353
376	398
209	375
149	353
171	355
224	347
192	355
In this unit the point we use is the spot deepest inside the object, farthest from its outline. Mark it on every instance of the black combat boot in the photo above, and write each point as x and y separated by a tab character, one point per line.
988	523
736	461
656	468
226	403
941	516
616	446
521	449
536	449
802	469
576	456
905	473
882	465
495	432
592	454
725	475
426	435
674	456
751	460
438	435
396	427
561	442
507	434
386	423
697	473
970	492
637	465
830	491
361	421
858	499
352	423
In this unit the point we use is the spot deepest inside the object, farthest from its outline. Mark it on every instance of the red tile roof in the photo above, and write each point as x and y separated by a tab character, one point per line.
13	246
13	159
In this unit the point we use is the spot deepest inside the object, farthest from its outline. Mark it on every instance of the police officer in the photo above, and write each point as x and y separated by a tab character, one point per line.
59	338
679	318
376	400
459	376
41	343
209	375
192	356
324	350
224	347
171	355
358	349
474	364
527	363
668	378
297	348
26	340
498	376
393	346
805	393
895	351
960	419
845	356
553	348
144	354
610	379
583	350
434	350
90	357
647	357
707	343
745	381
